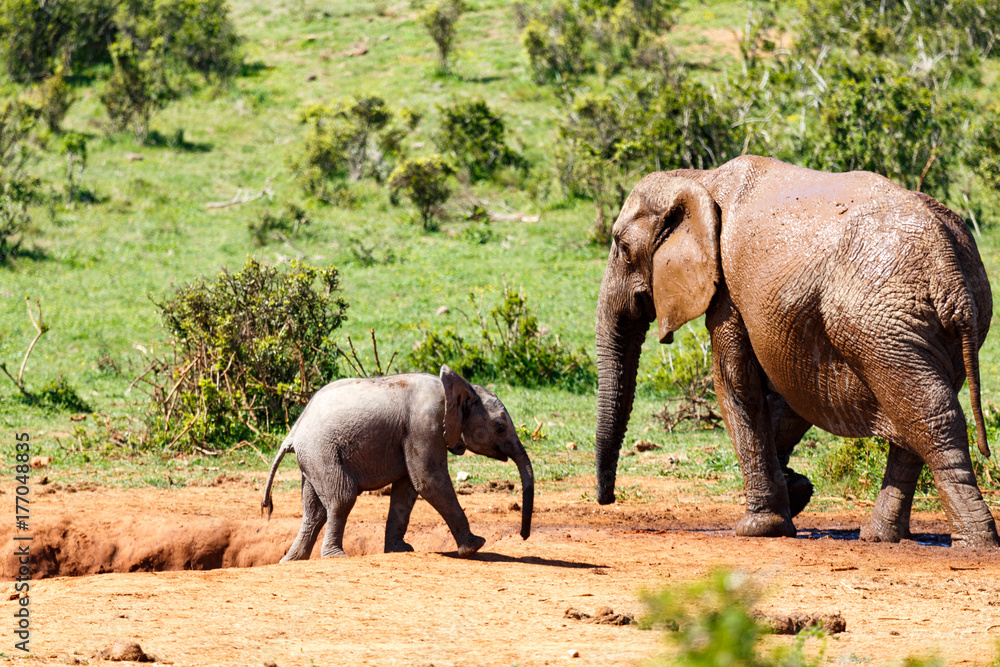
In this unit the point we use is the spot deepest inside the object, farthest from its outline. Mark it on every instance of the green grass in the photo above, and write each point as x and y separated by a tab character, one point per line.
101	266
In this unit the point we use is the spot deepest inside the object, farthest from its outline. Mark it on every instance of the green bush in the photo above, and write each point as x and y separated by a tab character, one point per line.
270	226
935	38
17	187
53	99
507	345
710	622
36	36
74	146
424	180
440	19
248	351
685	361
198	34
136	88
350	139
858	465
555	44
60	394
475	136
985	153
639	125
607	37
878	119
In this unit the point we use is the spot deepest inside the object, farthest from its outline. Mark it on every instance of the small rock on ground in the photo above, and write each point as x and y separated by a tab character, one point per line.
796	622
125	651
603	616
645	446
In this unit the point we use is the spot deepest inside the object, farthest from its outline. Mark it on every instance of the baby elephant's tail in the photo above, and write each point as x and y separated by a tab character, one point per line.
266	505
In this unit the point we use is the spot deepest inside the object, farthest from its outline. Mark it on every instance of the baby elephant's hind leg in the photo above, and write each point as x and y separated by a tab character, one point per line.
400	505
313	516
339	492
890	520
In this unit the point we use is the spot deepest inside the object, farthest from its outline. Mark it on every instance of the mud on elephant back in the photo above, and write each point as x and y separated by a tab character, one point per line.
837	300
363	434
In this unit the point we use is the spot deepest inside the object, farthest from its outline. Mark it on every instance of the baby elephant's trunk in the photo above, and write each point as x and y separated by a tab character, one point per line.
527	491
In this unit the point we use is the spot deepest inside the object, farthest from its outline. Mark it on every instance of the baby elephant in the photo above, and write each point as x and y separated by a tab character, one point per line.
362	434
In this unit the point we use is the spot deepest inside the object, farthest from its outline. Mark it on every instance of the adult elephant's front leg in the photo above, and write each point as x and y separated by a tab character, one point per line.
739	386
787	428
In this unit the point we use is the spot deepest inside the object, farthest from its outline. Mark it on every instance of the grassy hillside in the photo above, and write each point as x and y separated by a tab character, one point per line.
99	267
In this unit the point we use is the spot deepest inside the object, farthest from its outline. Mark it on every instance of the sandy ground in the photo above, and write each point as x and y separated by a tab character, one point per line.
101	552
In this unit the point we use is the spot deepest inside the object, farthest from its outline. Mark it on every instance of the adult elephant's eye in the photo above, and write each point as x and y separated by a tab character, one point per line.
625	252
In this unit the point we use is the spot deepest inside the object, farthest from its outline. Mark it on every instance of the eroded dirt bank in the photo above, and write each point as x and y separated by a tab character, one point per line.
505	606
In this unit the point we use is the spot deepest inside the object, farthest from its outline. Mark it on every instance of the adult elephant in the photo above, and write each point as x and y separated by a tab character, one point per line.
837	300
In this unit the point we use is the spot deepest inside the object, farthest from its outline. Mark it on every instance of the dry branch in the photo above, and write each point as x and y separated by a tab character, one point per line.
242	197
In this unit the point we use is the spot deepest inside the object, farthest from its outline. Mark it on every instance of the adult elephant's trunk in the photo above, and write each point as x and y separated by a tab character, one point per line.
527	490
619	342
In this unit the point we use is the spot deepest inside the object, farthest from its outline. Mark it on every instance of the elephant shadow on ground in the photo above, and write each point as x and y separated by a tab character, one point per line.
530	560
923	539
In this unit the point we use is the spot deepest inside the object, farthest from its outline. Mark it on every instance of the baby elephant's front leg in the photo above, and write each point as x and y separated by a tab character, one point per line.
434	484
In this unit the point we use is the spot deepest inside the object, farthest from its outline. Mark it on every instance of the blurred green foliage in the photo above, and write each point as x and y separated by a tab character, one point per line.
507	344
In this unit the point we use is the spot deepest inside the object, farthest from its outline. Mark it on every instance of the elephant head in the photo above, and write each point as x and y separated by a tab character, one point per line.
475	418
663	265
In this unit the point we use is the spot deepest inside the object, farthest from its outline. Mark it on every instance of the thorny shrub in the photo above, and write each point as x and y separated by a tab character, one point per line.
440	20
985	157
270	226
476	136
350	139
424	180
17	187
507	344
639	125
247	352
603	36
137	87
37	36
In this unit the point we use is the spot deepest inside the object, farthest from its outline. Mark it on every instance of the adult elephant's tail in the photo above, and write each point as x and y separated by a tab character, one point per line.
970	356
266	505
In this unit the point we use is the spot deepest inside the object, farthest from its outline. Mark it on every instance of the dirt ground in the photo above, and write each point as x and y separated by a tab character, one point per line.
101	553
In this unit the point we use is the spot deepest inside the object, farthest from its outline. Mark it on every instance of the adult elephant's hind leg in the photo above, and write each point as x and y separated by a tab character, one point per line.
739	386
313	516
404	495
931	422
890	520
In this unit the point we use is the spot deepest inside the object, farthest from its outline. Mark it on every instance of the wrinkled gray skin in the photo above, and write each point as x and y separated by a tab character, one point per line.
362	434
837	300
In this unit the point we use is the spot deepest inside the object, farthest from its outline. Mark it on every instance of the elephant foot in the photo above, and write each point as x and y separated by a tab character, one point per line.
398	547
764	524
333	553
976	540
800	490
471	546
293	556
883	531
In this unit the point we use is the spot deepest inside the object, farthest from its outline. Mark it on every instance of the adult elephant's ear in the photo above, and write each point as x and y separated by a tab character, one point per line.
459	398
686	265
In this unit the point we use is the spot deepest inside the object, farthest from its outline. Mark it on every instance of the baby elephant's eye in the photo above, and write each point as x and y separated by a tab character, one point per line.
499	428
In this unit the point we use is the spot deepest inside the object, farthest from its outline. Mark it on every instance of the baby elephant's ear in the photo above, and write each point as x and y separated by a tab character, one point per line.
459	396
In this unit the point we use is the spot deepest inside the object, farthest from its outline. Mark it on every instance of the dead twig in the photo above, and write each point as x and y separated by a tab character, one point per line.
242	198
247	443
41	328
923	174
